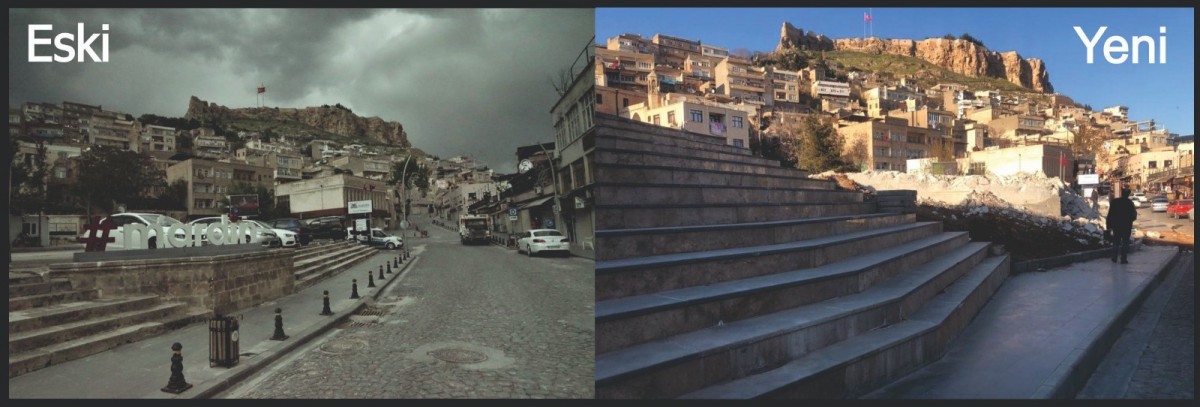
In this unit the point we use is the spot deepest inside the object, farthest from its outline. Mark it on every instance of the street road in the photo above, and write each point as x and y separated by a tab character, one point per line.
464	322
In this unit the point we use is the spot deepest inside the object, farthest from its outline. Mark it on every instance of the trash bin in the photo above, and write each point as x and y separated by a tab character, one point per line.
223	342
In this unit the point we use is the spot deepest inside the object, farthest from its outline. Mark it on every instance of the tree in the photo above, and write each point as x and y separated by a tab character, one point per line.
29	180
417	174
820	147
174	196
856	156
1089	140
968	37
942	149
561	81
109	175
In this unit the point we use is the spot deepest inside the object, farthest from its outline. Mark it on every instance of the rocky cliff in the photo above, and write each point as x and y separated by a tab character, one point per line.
333	119
959	56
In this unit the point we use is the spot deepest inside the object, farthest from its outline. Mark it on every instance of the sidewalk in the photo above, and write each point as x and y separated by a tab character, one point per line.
140	369
1038	335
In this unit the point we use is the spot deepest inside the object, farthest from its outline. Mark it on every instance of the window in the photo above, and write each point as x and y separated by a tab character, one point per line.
599	99
737	142
697	116
624	102
716	118
1152	164
30	228
62	155
882	166
737	122
656	120
671	117
60	173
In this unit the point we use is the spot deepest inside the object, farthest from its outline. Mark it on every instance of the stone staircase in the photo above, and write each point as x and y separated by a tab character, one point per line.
722	275
50	323
318	262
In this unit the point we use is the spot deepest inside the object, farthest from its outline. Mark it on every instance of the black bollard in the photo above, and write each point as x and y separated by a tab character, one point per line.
176	384
396	261
326	310
278	336
354	289
389	268
370	280
381	272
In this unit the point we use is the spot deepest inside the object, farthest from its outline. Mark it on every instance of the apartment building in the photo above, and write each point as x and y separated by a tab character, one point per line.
611	100
209	146
785	86
889	142
624	69
697	115
157	138
632	43
674	51
738	79
884	98
371	168
208	181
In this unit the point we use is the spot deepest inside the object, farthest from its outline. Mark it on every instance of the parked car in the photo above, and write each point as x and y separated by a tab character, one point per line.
119	221
295	225
287	238
382	239
265	235
1139	197
1158	204
1180	208
536	241
329	227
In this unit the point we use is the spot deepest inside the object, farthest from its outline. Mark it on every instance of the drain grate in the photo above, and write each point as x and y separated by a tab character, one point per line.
461	356
366	317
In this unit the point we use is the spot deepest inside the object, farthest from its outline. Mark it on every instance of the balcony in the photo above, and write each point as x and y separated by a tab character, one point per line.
746	85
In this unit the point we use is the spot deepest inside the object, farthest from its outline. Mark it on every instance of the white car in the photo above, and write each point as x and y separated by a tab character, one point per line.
1139	197
265	236
119	221
543	240
1159	204
287	238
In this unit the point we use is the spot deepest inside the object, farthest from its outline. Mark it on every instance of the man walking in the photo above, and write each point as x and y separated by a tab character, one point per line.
1121	214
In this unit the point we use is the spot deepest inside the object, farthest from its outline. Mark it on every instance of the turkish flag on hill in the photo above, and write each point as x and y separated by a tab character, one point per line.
262	89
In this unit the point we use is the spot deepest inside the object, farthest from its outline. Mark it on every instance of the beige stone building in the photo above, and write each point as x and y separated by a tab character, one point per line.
623	69
611	100
695	114
888	142
208	181
157	138
738	79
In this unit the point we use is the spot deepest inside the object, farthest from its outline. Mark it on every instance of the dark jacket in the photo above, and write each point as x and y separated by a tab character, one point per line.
1121	214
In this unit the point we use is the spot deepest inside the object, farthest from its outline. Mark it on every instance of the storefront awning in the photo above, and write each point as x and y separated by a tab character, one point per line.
536	202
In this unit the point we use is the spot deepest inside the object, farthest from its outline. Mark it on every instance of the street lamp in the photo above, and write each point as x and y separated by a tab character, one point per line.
404	196
554	179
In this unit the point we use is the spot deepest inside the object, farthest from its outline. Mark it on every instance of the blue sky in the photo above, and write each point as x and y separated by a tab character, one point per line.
1162	92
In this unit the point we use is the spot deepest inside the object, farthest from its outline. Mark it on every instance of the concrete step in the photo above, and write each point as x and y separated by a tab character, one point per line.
42	300
314	250
627	129
29	340
693	361
23	278
624	243
638	216
617	143
630	158
30	289
324	255
644	275
25	362
661	174
623	322
335	268
41	317
866	362
669	194
325	262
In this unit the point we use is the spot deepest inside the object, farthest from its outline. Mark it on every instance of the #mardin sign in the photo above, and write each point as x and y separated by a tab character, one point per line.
184	235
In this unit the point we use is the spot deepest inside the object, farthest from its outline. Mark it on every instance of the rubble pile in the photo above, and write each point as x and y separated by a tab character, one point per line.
997	209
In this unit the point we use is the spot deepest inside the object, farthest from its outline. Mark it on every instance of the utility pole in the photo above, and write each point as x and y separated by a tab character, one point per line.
404	195
554	179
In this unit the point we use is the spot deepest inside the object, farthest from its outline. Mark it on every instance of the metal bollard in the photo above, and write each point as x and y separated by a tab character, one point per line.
176	384
389	267
380	272
278	336
354	289
370	280
396	261
326	310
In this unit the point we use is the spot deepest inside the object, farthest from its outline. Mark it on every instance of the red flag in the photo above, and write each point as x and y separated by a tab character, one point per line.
262	89
1062	159
866	17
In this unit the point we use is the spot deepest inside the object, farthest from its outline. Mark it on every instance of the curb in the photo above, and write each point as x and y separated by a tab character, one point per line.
1066	383
240	373
1070	258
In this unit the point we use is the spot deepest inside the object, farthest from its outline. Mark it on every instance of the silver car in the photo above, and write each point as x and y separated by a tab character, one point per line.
1159	204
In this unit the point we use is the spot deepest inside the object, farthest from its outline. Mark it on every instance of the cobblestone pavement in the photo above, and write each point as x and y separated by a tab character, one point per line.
1167	368
1154	358
466	322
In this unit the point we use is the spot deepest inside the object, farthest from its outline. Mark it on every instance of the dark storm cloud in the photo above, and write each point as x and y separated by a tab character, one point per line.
461	81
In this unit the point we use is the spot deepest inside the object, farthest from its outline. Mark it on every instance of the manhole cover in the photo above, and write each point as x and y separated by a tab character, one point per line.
453	355
344	346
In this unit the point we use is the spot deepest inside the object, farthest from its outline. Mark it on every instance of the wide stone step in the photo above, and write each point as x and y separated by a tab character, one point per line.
866	362
616	143
615	244
660	174
29	340
633	130
355	258
638	216
36	318
325	255
328	261
23	278
644	275
42	300
689	362
632	320
310	252
25	362
29	289
669	194
628	157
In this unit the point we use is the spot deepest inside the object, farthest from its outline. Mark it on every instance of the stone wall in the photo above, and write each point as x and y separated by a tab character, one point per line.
222	284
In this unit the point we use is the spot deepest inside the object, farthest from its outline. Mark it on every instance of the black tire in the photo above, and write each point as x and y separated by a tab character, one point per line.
391	246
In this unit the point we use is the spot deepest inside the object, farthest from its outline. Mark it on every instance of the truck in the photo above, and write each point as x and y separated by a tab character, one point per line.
474	229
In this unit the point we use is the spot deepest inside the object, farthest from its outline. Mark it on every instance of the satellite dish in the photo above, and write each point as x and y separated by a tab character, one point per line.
525	166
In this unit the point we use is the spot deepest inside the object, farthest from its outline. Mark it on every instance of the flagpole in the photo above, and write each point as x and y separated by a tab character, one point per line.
871	12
